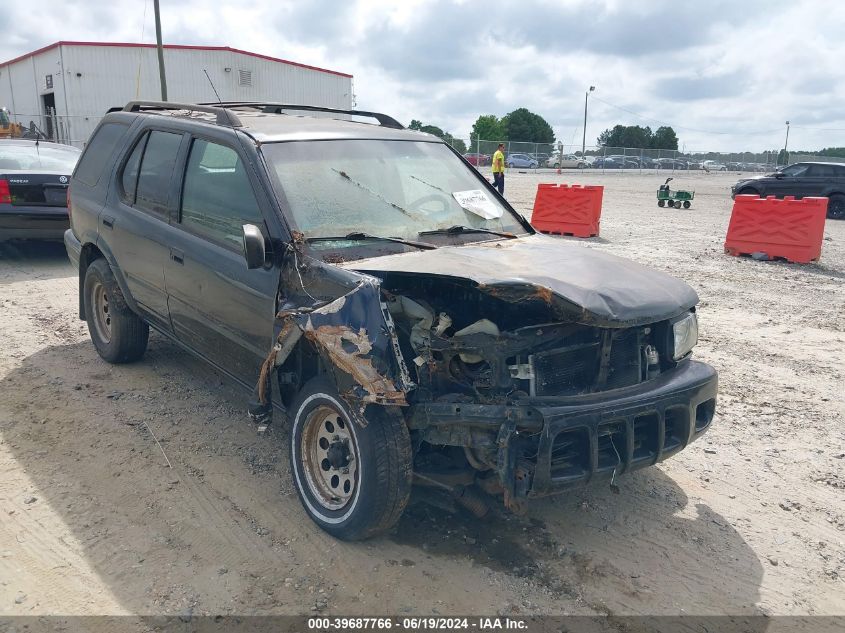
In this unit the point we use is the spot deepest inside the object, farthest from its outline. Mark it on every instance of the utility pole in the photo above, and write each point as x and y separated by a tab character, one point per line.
161	76
584	138
785	145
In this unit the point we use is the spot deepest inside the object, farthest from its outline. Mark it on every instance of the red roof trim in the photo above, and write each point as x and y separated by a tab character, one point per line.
176	47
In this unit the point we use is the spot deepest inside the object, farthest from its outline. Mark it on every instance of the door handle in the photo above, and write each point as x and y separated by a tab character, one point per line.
177	256
108	221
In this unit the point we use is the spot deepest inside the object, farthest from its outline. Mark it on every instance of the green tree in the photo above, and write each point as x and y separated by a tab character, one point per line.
526	126
457	143
488	127
664	138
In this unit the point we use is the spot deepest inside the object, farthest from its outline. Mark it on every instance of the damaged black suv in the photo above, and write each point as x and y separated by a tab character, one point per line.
371	287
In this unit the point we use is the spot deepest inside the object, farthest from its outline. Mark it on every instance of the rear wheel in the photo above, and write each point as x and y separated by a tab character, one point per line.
118	334
836	207
352	474
677	204
687	204
661	203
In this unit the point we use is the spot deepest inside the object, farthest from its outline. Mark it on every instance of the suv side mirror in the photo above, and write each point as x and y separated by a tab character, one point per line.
779	175
254	248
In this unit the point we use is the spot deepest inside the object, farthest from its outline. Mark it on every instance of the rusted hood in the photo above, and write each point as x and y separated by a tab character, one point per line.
581	284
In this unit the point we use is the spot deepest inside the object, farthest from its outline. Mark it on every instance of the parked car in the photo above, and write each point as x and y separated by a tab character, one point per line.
624	162
479	160
568	162
344	272
712	165
521	160
671	163
801	180
33	188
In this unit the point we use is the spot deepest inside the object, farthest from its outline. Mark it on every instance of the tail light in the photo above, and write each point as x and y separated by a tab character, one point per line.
5	193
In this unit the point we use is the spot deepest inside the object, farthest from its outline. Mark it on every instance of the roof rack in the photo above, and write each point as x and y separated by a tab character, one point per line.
277	108
224	116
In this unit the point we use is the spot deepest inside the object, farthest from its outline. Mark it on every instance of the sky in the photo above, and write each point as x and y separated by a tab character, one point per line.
726	74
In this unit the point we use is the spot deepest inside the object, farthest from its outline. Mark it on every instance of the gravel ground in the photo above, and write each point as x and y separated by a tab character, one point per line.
749	520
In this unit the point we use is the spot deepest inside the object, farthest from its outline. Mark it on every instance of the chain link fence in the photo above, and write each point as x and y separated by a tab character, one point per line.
58	128
560	156
75	130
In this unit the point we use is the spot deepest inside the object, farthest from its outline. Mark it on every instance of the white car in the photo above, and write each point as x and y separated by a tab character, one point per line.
568	162
712	165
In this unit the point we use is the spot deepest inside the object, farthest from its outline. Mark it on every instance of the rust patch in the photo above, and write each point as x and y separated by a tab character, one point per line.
545	294
336	341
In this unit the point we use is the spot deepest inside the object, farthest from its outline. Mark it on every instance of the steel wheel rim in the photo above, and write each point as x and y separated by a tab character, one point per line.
102	313
329	457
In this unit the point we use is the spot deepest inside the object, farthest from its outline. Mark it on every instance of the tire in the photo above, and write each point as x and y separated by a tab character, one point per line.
581	165
677	204
687	204
373	458
510	165
661	203
118	334
836	206
557	165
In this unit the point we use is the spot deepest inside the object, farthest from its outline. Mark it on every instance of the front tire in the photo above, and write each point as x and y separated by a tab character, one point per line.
118	334
352	475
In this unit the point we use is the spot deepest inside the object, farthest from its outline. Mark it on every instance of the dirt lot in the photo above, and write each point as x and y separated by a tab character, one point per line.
749	520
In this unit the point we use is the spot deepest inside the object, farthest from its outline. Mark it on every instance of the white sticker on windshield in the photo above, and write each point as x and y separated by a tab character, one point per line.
476	201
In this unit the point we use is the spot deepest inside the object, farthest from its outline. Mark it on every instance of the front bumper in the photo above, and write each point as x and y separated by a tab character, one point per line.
549	445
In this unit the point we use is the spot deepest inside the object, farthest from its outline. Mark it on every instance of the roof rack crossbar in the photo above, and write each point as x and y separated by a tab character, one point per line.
224	116
277	108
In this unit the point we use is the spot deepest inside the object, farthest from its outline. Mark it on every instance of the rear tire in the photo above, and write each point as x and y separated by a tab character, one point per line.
677	204
687	204
118	334
661	203
836	207
352	476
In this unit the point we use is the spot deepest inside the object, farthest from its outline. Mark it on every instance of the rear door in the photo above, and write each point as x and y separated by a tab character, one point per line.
218	307
136	224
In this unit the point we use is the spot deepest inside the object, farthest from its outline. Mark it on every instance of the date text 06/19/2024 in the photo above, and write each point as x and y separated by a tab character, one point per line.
410	623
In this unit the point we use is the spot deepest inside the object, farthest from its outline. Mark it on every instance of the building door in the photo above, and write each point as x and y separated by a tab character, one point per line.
49	101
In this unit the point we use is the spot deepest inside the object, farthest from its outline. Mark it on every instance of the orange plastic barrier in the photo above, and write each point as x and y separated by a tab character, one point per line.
790	229
568	210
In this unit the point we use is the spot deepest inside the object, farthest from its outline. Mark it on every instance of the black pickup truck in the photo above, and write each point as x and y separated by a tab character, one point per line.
376	292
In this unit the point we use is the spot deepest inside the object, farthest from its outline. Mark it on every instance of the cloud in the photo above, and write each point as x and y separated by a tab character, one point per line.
737	68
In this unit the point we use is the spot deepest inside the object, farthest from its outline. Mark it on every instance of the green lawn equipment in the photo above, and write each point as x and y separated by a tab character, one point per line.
667	197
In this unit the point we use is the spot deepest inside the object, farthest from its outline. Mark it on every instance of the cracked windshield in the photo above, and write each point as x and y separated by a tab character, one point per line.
386	188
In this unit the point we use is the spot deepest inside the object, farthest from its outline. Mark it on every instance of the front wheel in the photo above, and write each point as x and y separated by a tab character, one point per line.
836	207
661	203
352	473
687	204
510	165
118	334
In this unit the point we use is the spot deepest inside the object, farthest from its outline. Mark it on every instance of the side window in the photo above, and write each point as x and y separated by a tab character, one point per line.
156	170
129	177
98	152
217	198
839	172
820	171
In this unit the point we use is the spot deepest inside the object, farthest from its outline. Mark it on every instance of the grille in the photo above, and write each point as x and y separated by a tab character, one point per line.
571	454
625	359
613	445
568	371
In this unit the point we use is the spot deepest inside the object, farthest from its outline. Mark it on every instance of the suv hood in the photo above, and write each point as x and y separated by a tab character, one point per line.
580	284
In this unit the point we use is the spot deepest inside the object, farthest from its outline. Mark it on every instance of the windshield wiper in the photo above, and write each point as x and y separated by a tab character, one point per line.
361	237
458	229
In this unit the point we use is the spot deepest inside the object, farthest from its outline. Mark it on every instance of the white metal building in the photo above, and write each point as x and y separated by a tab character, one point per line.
65	88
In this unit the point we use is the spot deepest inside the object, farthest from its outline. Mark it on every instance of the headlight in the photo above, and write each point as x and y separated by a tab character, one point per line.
685	334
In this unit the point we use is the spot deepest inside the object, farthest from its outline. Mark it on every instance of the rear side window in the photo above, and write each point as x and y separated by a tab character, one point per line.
821	171
129	178
217	198
99	151
157	164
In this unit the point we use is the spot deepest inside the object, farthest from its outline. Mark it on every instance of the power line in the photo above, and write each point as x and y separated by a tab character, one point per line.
689	129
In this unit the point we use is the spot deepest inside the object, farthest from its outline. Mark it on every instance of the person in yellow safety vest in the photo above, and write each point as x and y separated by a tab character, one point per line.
499	169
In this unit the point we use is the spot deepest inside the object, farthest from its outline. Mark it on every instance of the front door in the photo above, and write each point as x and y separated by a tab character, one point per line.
218	307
